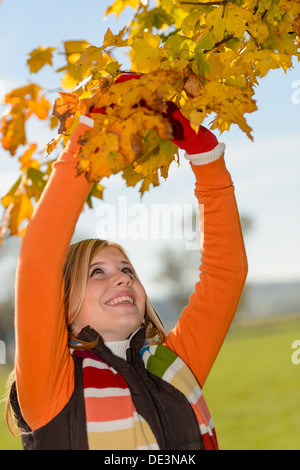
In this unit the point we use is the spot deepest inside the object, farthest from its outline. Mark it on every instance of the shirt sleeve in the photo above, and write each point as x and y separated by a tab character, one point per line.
204	322
44	367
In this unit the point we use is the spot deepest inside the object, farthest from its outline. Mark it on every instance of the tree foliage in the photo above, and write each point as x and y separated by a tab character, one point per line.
206	56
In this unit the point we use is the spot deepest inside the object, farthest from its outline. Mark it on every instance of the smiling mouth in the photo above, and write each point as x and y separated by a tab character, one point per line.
123	299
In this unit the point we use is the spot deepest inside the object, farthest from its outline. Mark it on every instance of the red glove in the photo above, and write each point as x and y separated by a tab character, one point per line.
127	76
185	136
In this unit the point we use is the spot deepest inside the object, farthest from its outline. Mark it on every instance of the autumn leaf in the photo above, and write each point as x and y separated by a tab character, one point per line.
159	158
18	207
24	102
296	25
19	201
13	132
73	73
118	6
145	53
92	57
292	7
39	58
117	40
64	109
39	107
21	210
53	144
97	192
26	159
99	156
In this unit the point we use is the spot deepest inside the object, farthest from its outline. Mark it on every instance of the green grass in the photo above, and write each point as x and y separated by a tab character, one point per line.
7	441
252	391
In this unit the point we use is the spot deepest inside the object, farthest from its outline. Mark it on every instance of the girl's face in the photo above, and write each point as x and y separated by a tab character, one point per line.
114	300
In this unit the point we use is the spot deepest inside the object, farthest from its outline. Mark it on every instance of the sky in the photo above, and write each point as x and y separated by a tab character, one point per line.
266	172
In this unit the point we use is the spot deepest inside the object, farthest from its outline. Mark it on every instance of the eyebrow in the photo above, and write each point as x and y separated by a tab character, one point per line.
102	263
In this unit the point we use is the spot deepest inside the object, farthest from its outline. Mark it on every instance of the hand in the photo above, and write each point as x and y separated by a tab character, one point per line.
185	136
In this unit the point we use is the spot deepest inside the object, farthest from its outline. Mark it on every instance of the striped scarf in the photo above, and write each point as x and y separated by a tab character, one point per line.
112	419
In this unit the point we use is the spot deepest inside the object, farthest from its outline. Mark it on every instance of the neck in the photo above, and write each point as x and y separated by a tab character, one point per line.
118	348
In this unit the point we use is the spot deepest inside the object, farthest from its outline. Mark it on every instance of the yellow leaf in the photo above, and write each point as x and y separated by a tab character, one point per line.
20	96
92	56
154	180
290	6
233	20
99	153
40	107
115	40
73	74
24	101
71	78
40	57
19	210
157	122
74	49
13	131
159	158
131	176
127	132
145	53
119	5
26	159
52	144
296	25
64	109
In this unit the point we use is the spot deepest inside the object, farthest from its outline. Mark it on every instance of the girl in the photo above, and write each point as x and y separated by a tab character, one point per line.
94	368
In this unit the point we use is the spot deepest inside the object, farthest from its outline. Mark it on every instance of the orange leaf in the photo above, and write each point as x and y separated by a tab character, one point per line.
19	210
40	107
40	57
26	160
13	131
64	109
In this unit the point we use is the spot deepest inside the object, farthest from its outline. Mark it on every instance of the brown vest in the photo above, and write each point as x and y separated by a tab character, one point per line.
165	408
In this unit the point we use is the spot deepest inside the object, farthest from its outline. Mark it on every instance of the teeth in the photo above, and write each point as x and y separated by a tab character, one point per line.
121	299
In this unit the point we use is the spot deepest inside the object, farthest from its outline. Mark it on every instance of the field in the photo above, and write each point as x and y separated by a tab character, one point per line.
252	391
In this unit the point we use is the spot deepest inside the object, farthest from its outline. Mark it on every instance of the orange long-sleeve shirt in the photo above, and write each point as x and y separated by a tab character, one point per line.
44	367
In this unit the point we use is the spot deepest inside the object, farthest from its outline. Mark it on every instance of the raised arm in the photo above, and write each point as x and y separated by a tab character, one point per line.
44	369
204	322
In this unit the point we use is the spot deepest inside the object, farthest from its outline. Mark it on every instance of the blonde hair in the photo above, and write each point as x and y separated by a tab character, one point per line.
75	276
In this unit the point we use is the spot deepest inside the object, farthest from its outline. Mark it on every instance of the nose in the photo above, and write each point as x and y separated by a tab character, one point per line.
123	279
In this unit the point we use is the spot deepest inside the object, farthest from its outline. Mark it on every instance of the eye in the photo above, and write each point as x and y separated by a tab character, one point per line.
128	270
96	271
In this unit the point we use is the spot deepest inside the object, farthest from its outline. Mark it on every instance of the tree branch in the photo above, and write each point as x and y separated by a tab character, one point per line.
222	2
220	43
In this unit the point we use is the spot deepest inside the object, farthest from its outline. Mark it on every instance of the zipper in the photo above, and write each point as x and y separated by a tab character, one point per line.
167	435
